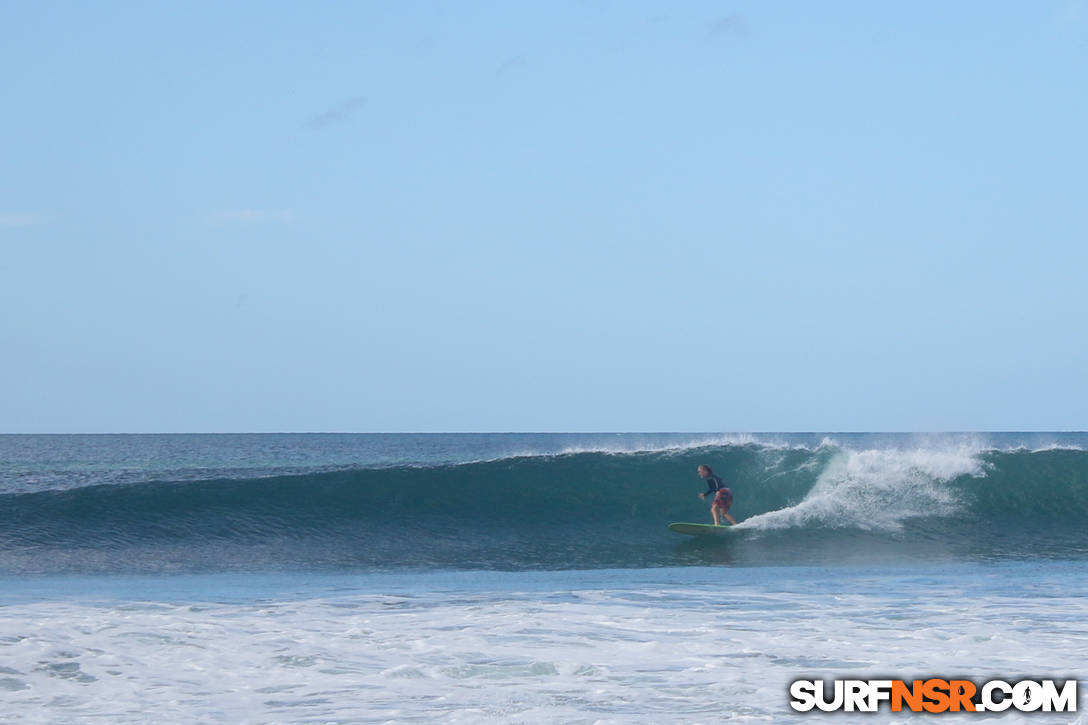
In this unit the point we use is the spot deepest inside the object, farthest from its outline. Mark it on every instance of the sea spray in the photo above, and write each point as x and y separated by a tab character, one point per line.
826	502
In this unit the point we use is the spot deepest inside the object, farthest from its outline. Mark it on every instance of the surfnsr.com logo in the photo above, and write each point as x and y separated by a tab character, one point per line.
934	695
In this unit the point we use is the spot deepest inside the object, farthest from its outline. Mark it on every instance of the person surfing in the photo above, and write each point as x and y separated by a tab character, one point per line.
723	497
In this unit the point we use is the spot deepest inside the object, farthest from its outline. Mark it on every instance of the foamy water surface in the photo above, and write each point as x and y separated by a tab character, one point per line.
676	645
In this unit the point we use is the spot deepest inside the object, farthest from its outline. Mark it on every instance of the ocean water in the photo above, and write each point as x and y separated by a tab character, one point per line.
528	577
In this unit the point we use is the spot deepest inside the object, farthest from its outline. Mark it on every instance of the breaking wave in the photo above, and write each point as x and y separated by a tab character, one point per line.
579	509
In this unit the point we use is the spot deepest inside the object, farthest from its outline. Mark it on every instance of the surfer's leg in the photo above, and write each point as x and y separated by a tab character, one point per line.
723	501
714	513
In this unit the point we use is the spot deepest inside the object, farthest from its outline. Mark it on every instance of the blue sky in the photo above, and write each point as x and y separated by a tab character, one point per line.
447	216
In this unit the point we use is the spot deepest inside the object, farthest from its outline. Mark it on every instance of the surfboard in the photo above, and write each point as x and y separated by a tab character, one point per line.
700	529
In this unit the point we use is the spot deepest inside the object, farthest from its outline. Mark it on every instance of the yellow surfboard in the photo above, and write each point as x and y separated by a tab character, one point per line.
700	529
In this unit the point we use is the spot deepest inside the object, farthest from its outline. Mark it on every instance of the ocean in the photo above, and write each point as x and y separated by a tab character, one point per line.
529	578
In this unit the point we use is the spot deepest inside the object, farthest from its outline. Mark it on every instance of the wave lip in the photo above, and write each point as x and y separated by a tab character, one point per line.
571	510
879	490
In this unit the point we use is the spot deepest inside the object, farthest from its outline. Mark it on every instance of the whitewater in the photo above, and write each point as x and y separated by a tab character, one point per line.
527	577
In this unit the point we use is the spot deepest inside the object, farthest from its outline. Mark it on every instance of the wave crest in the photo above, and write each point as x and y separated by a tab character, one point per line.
577	509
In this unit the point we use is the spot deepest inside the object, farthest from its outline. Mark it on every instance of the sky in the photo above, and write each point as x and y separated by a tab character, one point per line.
543	216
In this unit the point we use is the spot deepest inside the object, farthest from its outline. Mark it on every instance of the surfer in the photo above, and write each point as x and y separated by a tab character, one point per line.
723	497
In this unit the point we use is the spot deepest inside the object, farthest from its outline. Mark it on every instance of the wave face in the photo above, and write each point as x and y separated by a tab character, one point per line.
822	504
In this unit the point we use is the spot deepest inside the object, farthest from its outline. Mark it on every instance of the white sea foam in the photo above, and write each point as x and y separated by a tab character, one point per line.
877	489
697	645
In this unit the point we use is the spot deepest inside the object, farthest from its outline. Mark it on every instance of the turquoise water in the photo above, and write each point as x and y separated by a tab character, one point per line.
526	578
192	504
